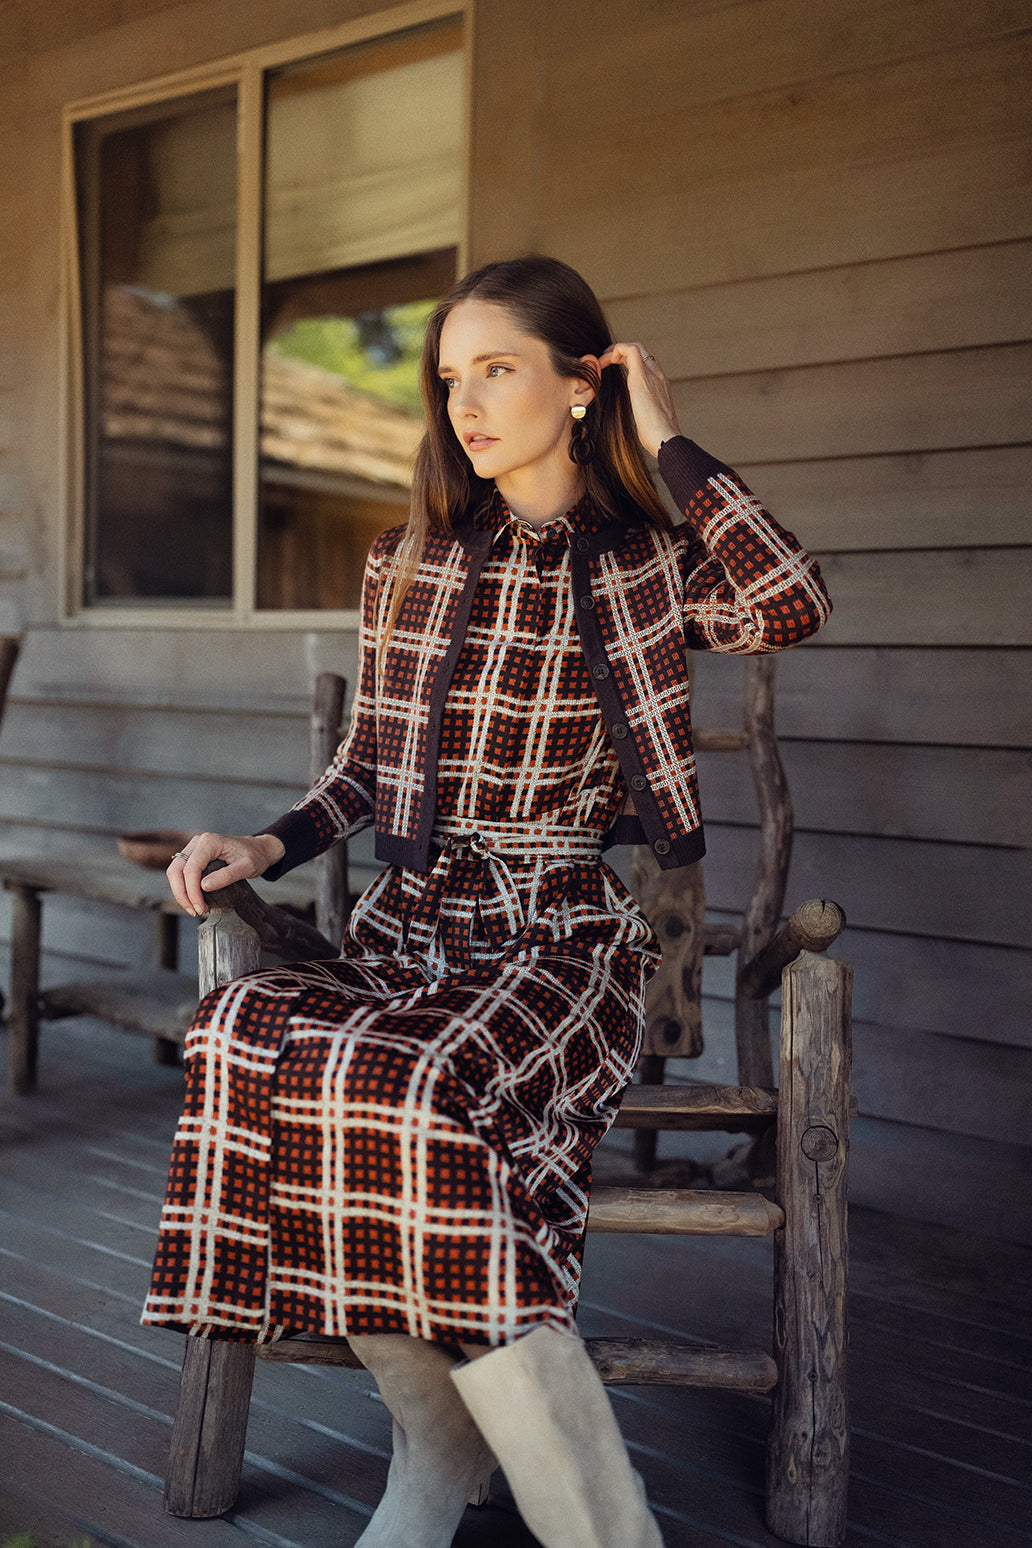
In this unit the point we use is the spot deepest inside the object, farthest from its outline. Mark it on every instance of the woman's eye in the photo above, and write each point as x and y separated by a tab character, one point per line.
496	370
448	382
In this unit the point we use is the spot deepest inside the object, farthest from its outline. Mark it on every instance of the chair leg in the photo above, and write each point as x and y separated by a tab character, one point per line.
207	1452
652	1067
808	1445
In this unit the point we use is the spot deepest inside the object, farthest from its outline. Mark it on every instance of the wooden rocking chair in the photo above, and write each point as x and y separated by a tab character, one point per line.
808	1447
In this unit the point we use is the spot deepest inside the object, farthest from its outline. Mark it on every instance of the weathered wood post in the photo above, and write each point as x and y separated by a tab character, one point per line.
23	1022
207	1451
332	894
808	1447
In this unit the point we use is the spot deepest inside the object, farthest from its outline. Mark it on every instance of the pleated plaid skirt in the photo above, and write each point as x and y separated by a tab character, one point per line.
400	1141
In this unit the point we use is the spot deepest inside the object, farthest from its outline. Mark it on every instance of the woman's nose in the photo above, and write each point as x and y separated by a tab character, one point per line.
464	402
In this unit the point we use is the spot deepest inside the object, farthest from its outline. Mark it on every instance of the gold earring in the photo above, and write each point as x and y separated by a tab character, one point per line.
578	411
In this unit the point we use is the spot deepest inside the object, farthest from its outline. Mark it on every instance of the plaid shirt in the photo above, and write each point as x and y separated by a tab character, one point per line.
727	579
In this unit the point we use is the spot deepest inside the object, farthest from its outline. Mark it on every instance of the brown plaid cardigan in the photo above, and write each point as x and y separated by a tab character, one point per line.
728	579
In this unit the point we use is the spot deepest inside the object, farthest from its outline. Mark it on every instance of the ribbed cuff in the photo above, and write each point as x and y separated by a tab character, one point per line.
300	837
685	468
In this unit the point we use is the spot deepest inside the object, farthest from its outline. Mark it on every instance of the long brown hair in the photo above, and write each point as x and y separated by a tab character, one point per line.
551	302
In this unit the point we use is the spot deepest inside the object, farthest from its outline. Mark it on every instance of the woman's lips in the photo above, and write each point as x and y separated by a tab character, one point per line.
476	442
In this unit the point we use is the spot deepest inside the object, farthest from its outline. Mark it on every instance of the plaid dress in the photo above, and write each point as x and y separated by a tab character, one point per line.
401	1140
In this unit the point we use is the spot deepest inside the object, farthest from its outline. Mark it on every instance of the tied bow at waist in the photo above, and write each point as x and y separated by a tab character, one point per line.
472	869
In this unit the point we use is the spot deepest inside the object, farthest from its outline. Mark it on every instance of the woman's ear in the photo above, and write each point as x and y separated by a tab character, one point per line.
583	391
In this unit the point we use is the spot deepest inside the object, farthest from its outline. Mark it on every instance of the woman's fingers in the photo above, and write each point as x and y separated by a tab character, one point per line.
651	399
244	857
629	355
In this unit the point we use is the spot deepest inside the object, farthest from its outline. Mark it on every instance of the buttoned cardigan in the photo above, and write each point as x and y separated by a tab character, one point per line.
728	578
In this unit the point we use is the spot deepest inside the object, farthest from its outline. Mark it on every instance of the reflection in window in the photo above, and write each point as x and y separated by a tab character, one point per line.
158	213
360	236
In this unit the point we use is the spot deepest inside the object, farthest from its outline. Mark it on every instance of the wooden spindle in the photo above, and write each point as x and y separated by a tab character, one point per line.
332	893
752	1025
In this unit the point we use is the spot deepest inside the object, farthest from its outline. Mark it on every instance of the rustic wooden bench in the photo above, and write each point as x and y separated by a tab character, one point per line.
158	1001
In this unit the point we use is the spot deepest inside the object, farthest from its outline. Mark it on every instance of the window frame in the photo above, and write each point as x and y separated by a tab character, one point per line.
246	73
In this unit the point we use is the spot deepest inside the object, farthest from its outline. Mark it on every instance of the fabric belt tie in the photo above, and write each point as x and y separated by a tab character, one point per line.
487	876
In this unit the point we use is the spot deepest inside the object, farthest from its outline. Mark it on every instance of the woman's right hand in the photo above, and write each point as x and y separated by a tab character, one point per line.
244	857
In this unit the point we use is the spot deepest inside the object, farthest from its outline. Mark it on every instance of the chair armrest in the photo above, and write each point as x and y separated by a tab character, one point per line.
278	931
813	927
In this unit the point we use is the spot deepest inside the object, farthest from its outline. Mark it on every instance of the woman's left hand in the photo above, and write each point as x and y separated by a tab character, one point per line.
653	405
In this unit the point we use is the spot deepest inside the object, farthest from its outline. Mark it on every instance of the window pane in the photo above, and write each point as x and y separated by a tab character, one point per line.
363	210
157	203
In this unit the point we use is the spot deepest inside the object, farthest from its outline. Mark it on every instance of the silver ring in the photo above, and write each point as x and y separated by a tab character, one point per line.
646	356
179	854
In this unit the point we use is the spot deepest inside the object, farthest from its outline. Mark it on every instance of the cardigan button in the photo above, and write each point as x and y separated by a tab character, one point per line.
587	601
582	545
639	782
619	730
661	847
601	671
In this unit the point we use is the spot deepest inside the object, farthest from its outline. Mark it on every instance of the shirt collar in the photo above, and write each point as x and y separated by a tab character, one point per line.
583	518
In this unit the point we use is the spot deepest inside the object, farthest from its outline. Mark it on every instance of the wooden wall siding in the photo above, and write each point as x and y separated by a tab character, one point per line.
975	498
938	301
819	217
820	222
976	698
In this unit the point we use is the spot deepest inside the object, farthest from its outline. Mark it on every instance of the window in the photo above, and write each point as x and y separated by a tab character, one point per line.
256	262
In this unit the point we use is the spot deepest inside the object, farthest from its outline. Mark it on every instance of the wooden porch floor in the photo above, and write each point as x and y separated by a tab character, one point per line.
940	1359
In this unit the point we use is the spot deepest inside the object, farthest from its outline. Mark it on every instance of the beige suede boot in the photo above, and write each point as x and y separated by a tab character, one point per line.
440	1458
540	1405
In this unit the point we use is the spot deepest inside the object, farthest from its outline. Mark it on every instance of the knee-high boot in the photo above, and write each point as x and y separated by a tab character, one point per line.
541	1407
439	1457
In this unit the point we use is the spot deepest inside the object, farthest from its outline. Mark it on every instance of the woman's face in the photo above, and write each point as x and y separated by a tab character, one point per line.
507	404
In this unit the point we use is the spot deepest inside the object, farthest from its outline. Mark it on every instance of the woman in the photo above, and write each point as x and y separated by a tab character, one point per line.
396	1146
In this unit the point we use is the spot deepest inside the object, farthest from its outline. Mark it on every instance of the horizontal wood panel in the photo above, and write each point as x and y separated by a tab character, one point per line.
979	596
231	744
772	43
958	892
961	795
954	1084
973	697
950	987
119	803
936	301
950	97
669	238
975	498
198	668
974	397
